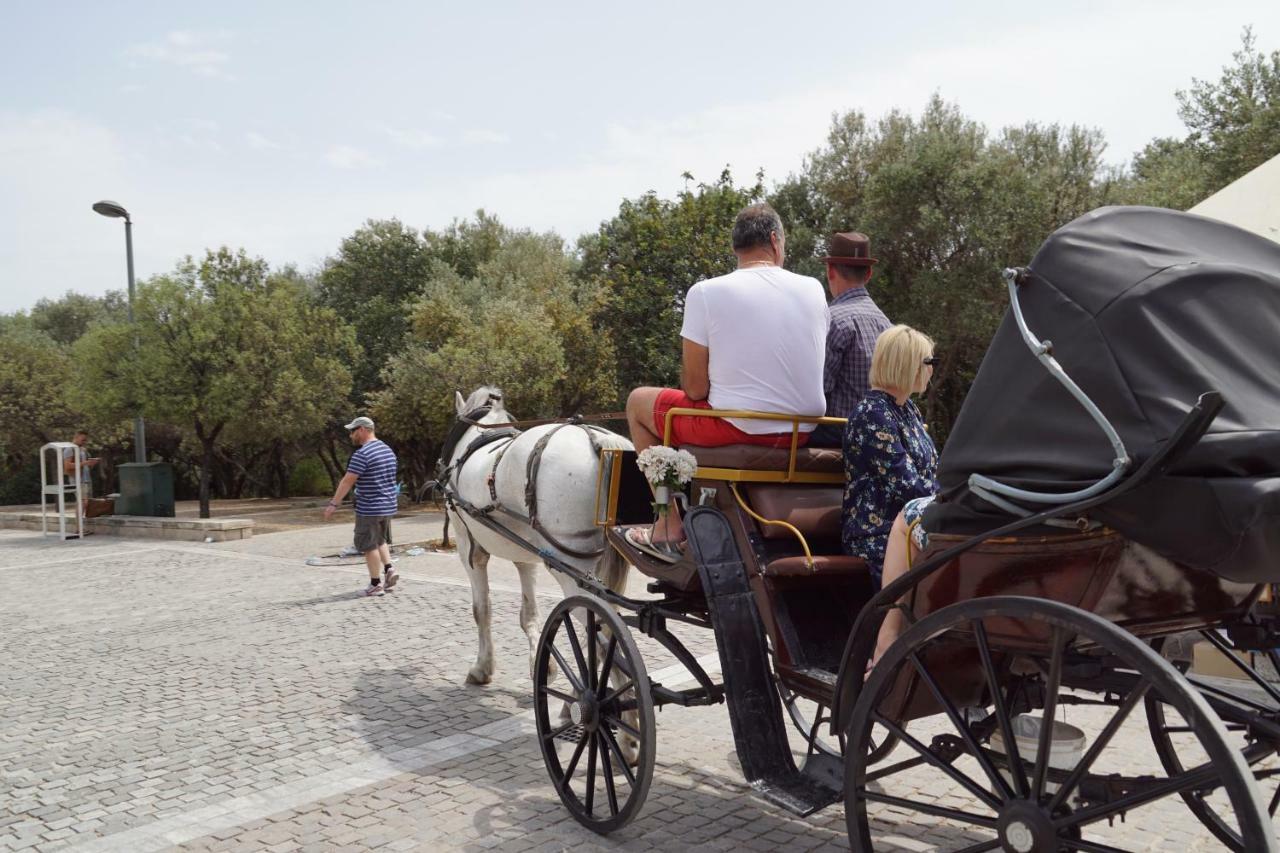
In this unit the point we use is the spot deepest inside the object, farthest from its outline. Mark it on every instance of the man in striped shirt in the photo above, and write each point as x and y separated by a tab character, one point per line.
372	469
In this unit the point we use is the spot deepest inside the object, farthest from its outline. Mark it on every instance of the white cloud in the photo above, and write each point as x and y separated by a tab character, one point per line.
258	142
485	137
350	157
188	50
413	138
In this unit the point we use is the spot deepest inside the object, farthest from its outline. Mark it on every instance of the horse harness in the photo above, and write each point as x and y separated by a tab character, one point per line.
505	433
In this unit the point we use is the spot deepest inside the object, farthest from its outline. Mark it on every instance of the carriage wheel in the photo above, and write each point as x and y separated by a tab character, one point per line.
1022	803
1168	735
595	716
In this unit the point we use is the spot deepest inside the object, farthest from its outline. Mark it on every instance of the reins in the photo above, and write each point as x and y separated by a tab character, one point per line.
570	419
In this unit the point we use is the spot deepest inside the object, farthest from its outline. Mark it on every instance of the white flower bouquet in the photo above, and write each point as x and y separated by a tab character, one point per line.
666	468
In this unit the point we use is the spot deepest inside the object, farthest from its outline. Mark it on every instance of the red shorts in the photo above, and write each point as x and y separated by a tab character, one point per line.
707	432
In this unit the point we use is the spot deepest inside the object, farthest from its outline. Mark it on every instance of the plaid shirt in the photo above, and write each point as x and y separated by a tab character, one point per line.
856	322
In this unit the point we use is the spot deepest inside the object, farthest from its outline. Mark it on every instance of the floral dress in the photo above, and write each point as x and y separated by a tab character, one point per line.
888	460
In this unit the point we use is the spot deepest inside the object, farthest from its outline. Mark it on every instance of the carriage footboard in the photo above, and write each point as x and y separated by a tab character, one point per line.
755	711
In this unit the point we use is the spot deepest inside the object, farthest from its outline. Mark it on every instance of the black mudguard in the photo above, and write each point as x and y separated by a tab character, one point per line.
755	711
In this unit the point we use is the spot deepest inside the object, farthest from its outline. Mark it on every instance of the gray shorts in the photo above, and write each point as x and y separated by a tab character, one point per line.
372	531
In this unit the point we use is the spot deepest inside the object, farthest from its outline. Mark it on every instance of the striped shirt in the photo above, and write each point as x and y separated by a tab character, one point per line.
856	322
374	464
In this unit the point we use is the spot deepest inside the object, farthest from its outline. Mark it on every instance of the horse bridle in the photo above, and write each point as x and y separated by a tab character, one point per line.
461	424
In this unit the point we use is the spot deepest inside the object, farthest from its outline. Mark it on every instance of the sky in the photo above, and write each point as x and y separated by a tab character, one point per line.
281	127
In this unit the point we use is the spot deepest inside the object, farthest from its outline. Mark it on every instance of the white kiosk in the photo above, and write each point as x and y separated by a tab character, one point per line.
57	486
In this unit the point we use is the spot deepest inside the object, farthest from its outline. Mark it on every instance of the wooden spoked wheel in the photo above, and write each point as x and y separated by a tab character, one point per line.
968	670
1178	750
594	713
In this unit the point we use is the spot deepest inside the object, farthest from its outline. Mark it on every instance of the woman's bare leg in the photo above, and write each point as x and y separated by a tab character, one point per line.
896	554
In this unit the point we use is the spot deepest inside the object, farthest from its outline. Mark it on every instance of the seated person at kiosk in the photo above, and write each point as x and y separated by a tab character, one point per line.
889	457
754	339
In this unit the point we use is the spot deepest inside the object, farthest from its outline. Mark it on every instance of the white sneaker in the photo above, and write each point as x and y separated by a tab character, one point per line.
372	589
349	551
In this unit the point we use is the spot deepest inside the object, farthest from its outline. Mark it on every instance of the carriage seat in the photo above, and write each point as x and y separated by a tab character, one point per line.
824	460
813	510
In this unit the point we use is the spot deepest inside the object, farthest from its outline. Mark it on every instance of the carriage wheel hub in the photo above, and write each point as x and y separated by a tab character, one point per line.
585	712
1025	828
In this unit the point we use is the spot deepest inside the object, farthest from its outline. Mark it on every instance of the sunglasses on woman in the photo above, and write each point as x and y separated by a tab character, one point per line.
932	360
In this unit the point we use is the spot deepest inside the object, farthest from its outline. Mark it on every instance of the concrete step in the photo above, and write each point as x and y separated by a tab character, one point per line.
147	527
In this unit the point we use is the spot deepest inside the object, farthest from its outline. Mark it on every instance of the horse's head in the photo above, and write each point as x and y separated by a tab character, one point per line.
485	397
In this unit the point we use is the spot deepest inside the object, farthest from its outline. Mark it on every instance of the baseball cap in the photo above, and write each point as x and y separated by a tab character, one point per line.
360	422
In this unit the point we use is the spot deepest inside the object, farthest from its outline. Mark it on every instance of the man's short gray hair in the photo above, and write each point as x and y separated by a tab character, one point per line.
754	225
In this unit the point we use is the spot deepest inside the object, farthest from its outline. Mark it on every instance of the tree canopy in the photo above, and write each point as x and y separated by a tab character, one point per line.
647	257
524	322
224	350
947	206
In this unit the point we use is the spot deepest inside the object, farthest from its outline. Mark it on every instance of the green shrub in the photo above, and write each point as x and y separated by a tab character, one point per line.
21	486
309	478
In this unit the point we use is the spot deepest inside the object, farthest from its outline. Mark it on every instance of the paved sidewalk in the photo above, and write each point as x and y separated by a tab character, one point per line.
227	697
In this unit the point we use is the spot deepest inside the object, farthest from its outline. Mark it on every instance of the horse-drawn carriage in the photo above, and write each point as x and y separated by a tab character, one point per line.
1054	579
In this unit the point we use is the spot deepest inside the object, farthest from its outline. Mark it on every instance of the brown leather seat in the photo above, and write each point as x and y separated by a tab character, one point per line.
815	510
828	460
822	565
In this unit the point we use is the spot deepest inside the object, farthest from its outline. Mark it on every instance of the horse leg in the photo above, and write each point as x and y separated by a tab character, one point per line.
529	612
476	559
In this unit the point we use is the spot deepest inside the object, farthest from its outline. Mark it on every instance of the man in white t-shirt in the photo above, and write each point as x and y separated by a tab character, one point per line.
753	339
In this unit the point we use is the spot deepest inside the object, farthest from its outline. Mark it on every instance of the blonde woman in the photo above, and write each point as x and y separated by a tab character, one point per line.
890	464
889	457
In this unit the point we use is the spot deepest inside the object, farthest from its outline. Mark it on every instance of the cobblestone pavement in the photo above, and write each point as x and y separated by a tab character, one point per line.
161	695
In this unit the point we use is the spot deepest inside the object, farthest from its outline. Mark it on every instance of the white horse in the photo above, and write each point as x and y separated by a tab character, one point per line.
496	475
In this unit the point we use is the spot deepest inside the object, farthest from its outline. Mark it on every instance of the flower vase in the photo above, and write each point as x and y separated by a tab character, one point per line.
661	498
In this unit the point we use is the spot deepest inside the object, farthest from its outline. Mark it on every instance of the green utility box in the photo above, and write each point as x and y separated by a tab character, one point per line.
146	488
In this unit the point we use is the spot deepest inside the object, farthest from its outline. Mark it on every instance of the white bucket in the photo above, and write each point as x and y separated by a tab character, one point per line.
1066	744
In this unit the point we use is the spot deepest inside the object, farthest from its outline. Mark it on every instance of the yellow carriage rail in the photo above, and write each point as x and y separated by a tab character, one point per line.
752	475
607	490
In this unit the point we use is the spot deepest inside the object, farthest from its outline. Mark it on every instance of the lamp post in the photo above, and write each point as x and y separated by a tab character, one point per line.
115	210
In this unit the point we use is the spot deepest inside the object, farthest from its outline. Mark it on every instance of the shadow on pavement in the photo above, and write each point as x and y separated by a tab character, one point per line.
347	595
397	711
687	808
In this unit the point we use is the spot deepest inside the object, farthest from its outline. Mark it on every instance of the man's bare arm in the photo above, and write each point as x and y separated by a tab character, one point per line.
344	486
695	379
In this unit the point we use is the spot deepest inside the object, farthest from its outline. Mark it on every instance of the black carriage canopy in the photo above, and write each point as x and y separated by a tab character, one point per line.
1146	310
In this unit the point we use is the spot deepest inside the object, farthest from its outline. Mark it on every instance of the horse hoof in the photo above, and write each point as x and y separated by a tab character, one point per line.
475	676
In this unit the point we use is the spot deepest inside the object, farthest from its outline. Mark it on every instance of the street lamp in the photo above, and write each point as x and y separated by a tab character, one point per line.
116	211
